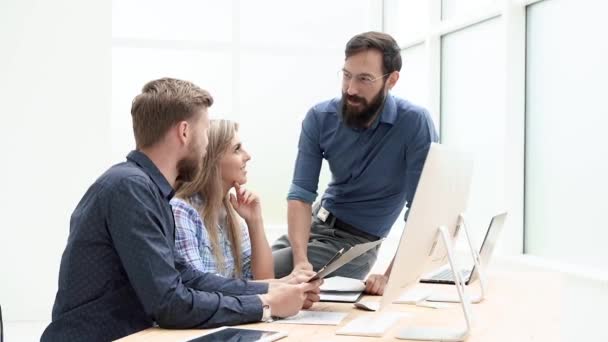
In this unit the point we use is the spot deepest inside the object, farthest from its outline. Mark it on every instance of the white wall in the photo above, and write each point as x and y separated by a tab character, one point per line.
54	138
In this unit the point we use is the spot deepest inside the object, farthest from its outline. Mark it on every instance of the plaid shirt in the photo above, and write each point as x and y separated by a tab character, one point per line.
193	244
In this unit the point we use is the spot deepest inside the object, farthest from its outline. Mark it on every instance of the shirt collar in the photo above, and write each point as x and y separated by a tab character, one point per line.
157	177
389	111
388	115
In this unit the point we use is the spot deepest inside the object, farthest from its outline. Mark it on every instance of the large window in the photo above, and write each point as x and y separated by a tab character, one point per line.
483	74
406	21
523	93
566	120
451	9
265	63
455	66
472	86
413	83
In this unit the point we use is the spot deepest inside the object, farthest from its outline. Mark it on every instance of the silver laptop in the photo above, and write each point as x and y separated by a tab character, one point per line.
444	275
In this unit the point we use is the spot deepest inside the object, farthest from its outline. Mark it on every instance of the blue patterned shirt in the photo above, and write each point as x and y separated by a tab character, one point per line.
193	243
118	273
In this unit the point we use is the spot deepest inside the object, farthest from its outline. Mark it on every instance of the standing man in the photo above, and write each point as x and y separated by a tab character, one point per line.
118	272
375	144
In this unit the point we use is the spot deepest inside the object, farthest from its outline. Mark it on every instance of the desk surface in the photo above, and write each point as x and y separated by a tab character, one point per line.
519	306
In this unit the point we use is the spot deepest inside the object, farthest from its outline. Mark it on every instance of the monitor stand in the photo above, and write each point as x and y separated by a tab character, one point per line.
445	334
475	299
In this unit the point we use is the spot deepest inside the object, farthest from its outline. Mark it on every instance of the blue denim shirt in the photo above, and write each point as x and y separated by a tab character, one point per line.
374	170
119	274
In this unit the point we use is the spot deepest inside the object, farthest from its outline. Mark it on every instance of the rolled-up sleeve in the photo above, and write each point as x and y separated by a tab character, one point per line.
308	162
172	298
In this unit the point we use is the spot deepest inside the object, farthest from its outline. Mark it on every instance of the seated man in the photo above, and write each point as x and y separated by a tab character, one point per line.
119	273
375	145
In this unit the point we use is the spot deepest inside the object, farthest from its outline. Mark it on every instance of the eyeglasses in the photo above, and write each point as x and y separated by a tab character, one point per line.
363	79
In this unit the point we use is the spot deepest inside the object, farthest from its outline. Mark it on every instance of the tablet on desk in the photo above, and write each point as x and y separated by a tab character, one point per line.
227	334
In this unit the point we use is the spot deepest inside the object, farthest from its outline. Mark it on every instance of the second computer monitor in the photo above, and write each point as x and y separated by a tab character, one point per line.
440	198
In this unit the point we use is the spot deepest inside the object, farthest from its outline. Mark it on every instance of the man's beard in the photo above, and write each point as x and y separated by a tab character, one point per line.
189	167
361	118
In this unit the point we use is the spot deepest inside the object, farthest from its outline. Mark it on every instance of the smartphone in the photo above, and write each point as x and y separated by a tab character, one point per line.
228	334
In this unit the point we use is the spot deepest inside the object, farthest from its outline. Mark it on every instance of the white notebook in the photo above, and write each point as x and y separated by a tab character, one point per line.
341	289
340	297
339	284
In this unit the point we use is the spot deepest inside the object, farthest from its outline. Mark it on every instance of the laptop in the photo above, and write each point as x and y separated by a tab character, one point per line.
444	275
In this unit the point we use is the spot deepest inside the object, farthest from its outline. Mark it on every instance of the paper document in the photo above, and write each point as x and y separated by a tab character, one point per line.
343	297
342	284
314	317
345	258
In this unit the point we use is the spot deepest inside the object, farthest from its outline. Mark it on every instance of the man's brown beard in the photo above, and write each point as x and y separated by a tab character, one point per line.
362	118
190	166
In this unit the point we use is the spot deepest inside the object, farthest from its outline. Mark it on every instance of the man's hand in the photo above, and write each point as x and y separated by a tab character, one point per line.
312	296
302	266
297	277
286	300
375	283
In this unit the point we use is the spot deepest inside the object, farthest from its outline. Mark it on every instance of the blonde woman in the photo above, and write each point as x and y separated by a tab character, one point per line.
216	231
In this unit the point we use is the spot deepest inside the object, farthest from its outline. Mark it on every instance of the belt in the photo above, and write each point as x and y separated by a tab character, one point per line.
337	223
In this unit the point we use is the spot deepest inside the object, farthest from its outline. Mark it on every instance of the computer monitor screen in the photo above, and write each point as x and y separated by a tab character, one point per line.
440	198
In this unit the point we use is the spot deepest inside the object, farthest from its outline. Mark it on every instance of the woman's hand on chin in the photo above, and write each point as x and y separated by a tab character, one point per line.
247	204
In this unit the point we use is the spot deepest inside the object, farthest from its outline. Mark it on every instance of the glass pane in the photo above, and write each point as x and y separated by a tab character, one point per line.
406	20
413	84
473	116
192	20
276	92
132	68
305	24
451	9
566	167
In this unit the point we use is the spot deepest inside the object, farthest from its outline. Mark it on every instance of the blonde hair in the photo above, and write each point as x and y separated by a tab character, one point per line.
208	185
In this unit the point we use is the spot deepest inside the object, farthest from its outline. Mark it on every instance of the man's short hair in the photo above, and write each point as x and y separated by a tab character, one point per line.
162	104
384	43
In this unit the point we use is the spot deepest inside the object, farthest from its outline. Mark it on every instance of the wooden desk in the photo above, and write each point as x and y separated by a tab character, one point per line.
519	306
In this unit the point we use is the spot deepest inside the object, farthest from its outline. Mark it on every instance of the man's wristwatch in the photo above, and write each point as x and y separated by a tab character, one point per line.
266	313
